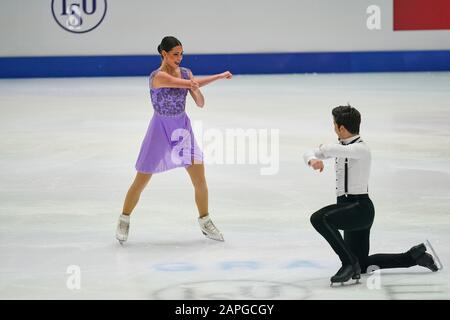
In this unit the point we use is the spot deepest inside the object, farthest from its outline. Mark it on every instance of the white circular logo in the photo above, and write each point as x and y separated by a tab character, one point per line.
79	16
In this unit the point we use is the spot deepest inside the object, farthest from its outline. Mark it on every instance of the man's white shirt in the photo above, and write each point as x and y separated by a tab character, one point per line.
359	159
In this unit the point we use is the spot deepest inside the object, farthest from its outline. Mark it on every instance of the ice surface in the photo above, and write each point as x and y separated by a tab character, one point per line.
67	154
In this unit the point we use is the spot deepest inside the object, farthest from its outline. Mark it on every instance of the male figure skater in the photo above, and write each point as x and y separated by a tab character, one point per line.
354	212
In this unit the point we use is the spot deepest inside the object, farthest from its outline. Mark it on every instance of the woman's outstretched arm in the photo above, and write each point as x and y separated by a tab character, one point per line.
164	80
203	81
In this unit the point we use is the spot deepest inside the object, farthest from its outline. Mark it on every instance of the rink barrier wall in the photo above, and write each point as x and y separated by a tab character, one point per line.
242	63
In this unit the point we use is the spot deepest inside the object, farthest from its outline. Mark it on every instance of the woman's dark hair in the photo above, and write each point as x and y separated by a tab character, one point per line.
348	117
168	43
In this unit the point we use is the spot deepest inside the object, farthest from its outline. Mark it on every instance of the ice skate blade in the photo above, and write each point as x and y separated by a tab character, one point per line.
346	283
435	256
220	240
207	236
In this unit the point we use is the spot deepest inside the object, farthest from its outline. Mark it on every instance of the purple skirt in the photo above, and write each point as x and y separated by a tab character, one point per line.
168	144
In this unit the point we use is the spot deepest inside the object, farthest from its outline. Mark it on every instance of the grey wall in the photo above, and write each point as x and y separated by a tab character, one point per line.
27	28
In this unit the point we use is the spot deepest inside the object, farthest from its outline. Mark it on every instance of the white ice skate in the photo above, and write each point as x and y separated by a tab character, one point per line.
123	226
209	229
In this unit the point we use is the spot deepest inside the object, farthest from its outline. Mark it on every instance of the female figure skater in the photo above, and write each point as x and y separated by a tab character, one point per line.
169	142
354	212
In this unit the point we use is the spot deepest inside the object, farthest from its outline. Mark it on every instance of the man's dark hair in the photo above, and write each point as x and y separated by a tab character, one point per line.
348	117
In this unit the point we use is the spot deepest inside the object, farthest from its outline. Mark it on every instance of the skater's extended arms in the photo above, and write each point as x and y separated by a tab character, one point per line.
165	80
313	158
351	151
333	150
203	81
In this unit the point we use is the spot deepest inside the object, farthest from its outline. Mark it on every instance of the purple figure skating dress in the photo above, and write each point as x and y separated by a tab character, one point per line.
169	142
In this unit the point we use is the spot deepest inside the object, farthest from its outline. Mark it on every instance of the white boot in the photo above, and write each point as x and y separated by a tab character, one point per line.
123	226
209	229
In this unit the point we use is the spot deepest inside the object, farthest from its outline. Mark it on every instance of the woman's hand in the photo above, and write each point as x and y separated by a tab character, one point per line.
194	85
226	75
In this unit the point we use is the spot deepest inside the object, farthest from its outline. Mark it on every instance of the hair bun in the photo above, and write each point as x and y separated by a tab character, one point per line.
159	48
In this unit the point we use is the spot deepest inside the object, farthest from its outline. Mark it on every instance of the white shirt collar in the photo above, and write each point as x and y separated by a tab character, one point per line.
348	140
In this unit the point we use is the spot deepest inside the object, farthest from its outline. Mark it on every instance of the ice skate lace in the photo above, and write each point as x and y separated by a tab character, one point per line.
124	227
209	225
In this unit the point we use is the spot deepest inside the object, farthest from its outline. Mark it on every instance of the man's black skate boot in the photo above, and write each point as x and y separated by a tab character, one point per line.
416	251
346	272
422	258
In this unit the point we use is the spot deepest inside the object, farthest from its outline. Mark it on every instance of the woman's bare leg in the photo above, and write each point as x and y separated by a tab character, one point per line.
197	174
134	192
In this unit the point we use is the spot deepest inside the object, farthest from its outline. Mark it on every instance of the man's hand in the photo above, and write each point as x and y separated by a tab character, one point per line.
316	164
